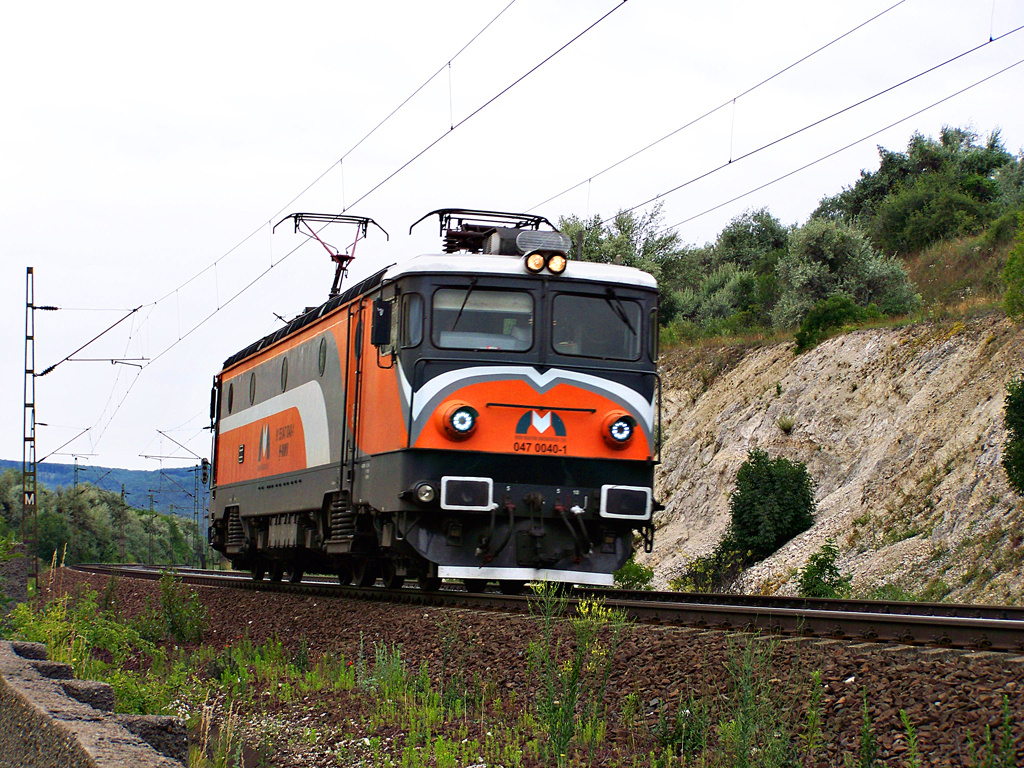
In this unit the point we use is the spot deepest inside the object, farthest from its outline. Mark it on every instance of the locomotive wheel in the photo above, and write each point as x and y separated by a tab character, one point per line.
276	571
296	576
475	586
345	574
364	572
430	583
508	587
390	576
259	571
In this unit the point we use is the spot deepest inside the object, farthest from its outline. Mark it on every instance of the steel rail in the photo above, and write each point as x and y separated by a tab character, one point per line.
827	619
896	607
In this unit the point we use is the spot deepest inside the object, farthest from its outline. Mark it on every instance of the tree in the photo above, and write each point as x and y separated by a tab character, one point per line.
935	190
826	258
749	238
1013	449
633	241
773	501
1013	275
735	286
821	577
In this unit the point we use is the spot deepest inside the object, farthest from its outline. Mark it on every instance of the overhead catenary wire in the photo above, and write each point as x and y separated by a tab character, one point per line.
720	107
484	106
273	264
340	160
780	139
841	149
93	339
475	112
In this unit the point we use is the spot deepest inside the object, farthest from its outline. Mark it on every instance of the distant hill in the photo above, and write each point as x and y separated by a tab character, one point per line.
172	488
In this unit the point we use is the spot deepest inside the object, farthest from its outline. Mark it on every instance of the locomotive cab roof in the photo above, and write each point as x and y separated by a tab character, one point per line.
477	243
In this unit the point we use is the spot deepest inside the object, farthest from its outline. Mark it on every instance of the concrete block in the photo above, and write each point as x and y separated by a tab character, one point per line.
96	694
42	726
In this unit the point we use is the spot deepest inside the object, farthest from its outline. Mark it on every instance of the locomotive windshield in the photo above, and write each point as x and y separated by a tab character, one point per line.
605	327
479	318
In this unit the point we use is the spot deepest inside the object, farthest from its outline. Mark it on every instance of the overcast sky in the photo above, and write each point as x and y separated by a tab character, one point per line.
141	143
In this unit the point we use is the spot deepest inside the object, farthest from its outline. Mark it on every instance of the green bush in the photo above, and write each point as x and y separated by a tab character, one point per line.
713	572
633	575
938	188
825	316
773	501
930	210
826	259
184	615
180	615
1013	275
1013	450
821	576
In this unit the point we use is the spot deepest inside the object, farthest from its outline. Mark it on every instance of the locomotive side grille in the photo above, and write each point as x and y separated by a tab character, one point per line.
236	535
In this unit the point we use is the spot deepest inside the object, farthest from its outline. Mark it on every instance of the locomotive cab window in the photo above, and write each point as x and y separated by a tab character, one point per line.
603	326
478	318
412	320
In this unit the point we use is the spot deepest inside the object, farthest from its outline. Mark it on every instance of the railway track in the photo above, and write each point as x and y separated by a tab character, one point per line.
974	627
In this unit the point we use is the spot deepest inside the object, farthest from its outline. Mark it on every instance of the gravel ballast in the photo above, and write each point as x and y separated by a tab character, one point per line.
949	696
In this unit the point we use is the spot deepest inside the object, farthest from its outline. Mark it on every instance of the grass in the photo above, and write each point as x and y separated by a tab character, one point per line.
269	700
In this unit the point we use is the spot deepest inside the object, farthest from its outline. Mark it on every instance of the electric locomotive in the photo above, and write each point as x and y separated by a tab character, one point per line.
487	414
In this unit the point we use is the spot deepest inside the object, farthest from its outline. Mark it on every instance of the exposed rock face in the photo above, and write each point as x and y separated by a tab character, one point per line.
901	428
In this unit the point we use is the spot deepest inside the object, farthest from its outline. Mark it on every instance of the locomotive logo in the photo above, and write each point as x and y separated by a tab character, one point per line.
540	424
264	443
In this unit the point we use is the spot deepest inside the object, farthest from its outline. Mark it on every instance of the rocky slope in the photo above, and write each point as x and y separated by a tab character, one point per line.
902	429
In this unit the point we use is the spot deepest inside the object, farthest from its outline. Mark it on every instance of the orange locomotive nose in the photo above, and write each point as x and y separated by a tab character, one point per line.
511	416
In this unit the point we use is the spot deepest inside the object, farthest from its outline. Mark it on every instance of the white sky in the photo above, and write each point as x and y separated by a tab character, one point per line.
142	142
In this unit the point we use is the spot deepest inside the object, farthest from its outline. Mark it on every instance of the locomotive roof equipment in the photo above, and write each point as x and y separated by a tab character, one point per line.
339	258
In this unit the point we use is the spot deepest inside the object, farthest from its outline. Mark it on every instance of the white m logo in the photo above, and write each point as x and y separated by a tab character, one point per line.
541	423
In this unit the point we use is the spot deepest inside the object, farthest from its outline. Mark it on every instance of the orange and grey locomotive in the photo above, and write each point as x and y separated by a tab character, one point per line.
489	414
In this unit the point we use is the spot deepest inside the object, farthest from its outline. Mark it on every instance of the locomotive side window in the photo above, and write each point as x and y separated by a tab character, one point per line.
284	374
477	318
231	396
321	361
412	319
252	387
604	327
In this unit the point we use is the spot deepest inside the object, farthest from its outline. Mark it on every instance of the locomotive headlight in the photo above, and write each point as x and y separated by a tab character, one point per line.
621	430
535	262
425	493
618	429
556	263
463	420
457	420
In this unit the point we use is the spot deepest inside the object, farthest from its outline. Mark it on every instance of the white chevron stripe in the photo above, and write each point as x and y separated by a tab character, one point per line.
540	381
309	399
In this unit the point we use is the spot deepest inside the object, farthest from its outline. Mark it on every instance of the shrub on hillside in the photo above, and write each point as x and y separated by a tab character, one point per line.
825	259
773	501
713	572
1013	450
930	210
937	189
821	577
828	315
634	575
1013	276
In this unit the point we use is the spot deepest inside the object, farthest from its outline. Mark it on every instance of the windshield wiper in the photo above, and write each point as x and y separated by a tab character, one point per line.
618	309
472	285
